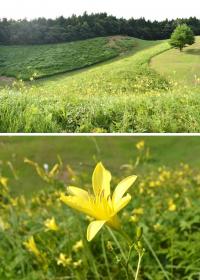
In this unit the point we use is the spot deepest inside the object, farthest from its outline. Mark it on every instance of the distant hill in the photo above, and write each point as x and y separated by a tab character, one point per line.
24	62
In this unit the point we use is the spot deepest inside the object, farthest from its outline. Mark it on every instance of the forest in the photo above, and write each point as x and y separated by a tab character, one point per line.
45	31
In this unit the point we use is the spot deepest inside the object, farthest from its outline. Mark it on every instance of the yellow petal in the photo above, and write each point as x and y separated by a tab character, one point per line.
101	180
122	187
93	228
77	192
122	203
78	203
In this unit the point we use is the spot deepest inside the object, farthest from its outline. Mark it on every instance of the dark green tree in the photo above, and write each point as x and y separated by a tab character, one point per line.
182	36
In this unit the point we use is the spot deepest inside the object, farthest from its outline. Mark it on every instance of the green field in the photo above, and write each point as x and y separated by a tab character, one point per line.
168	151
122	95
165	202
24	62
183	67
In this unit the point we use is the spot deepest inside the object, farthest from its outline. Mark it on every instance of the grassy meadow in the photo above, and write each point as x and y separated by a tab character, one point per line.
183	67
129	93
42	238
24	62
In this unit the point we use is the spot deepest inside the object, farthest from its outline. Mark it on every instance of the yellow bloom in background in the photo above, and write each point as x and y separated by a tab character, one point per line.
171	205
63	260
4	182
134	219
78	246
138	211
50	224
31	246
100	205
77	264
140	145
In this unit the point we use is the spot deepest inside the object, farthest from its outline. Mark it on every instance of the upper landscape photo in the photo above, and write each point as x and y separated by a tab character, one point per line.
99	66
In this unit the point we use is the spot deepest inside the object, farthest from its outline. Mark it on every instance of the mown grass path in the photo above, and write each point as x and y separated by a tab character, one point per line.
183	67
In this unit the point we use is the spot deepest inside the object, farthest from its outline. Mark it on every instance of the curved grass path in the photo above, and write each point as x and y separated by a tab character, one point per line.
119	76
183	67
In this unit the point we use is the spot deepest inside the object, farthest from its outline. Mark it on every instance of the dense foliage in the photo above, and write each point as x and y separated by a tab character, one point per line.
24	62
43	31
182	36
43	239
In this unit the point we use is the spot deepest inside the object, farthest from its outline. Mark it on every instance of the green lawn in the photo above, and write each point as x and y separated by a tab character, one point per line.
45	60
83	152
183	67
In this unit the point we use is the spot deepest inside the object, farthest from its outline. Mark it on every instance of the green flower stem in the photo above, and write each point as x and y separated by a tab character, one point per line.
105	257
138	266
120	248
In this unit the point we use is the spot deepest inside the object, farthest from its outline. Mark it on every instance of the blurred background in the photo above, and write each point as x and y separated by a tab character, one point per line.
82	153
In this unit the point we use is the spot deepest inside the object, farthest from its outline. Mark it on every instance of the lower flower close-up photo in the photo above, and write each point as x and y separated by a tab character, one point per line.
99	208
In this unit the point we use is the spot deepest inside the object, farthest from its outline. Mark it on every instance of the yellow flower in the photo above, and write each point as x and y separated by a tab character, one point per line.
171	205
31	246
78	246
157	227
4	182
50	224
138	211
77	264
63	260
134	218
152	184
100	205
140	145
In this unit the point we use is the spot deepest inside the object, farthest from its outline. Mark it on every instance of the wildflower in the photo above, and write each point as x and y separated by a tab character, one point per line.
4	182
78	246
50	224
31	246
100	205
140	145
171	205
77	264
152	184
63	260
157	227
134	218
138	211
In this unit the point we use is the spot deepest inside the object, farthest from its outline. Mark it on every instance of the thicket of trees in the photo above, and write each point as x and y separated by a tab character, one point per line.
43	31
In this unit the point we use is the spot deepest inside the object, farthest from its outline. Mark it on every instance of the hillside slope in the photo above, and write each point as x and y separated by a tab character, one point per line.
23	62
183	67
122	76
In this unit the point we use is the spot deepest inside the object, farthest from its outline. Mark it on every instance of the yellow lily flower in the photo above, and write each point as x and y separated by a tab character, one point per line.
31	246
50	224
100	205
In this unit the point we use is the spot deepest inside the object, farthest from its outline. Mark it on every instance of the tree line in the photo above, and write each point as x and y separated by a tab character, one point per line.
45	31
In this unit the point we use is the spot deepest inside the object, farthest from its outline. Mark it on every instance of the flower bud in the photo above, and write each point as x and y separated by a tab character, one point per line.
139	233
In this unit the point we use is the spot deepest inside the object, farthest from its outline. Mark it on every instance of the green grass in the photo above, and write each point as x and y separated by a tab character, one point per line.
183	67
164	150
121	95
46	60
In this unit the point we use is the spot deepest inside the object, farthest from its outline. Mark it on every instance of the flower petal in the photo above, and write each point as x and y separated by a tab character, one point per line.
77	192
101	180
93	228
78	203
122	187
122	203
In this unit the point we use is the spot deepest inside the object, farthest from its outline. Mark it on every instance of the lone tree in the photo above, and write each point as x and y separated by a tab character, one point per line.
182	36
